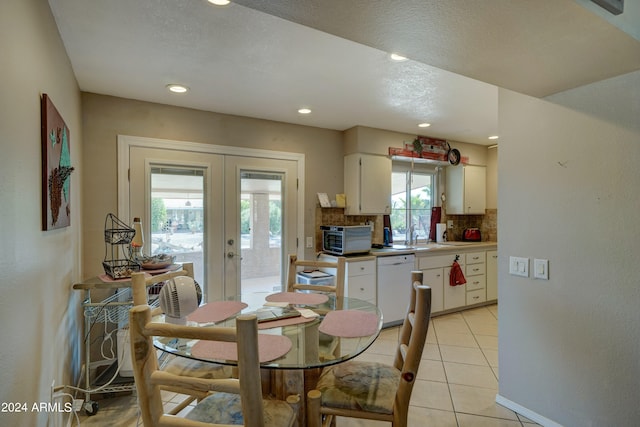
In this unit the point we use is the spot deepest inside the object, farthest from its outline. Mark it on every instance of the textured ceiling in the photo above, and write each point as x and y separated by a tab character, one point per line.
269	58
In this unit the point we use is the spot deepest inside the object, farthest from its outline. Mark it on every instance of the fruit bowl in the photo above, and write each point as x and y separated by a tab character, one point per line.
157	262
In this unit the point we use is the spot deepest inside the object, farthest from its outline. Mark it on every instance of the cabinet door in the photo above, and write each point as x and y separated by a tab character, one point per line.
466	189
361	280
492	275
475	189
434	278
367	184
454	296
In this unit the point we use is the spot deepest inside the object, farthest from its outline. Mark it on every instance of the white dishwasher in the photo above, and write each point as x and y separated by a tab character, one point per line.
394	287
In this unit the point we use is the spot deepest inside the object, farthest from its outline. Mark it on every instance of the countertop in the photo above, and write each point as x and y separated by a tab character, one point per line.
422	249
427	248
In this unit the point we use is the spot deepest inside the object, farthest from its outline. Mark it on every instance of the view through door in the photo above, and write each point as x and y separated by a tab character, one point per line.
261	230
177	223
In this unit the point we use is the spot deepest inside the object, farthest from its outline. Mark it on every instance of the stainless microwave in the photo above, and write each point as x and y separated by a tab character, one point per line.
346	239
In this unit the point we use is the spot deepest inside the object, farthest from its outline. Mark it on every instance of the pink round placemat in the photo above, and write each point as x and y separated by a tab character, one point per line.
349	324
285	322
270	347
298	298
216	311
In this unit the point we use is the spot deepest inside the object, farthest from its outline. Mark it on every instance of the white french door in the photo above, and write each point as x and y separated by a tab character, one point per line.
260	217
232	213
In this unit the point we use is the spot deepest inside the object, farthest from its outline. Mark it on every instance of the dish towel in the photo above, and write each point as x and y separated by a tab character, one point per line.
456	277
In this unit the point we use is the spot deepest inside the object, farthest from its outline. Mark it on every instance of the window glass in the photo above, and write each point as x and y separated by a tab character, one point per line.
411	202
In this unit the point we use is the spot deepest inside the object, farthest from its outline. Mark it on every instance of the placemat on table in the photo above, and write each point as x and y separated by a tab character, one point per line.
349	324
298	298
270	347
285	322
216	311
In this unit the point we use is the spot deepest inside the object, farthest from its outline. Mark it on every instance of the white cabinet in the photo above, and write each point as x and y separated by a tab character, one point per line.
492	275
475	274
436	270
367	184
466	189
360	280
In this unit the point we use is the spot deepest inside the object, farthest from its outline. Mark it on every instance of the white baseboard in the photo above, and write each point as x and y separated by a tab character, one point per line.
533	416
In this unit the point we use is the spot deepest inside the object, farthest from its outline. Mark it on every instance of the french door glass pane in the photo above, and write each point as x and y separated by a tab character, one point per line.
261	230
177	215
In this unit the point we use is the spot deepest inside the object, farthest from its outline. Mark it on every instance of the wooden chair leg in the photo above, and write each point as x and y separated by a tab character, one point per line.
314	418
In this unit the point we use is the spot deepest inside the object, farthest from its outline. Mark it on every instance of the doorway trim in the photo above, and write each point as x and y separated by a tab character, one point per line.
125	142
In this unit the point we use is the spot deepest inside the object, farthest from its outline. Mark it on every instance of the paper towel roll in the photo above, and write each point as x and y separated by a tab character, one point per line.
441	232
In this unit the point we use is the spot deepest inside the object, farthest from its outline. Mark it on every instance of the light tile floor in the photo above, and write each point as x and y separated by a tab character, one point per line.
456	384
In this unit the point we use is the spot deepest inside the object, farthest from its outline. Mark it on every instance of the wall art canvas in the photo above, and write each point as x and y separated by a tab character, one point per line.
56	168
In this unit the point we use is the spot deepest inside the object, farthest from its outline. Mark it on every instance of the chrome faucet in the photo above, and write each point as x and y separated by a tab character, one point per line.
411	240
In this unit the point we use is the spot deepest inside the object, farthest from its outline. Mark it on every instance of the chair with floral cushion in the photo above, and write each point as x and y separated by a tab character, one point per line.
376	391
229	401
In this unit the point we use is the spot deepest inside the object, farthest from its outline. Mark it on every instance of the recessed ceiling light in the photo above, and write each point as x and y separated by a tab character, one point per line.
177	88
424	125
219	2
304	111
398	57
494	137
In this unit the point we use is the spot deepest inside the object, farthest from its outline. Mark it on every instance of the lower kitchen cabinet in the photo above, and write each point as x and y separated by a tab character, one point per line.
492	275
475	272
360	280
436	270
480	271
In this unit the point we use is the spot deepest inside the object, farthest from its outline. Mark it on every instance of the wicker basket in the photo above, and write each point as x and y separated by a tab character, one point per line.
117	232
120	268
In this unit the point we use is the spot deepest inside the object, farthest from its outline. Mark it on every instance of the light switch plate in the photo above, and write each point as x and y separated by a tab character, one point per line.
519	266
541	269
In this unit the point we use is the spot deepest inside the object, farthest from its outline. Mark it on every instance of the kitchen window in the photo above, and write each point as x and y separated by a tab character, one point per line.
412	197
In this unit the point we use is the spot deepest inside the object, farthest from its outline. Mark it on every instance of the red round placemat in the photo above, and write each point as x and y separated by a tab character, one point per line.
298	298
216	311
270	347
349	324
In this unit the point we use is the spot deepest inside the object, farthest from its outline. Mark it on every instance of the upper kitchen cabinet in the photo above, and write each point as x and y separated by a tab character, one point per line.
466	189
367	184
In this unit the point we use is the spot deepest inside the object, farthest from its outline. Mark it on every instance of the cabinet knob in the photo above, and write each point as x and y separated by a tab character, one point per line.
362	289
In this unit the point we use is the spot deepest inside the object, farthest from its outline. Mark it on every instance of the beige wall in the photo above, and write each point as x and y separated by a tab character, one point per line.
568	192
105	117
39	312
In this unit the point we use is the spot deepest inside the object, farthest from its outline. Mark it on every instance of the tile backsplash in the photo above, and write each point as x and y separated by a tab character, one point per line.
487	223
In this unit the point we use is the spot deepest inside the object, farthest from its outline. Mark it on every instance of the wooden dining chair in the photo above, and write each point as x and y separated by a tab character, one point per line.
229	401
370	390
338	268
140	284
329	347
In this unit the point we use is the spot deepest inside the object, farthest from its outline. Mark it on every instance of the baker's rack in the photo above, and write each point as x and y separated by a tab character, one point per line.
113	310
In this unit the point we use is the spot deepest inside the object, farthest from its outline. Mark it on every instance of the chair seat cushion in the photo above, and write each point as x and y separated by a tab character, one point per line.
196	369
225	408
360	386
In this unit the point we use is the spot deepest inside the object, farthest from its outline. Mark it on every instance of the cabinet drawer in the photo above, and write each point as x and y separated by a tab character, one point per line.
477	296
476	282
474	269
359	268
475	257
362	287
436	261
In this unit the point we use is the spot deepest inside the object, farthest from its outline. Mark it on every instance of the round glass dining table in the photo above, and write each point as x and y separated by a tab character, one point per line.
326	333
